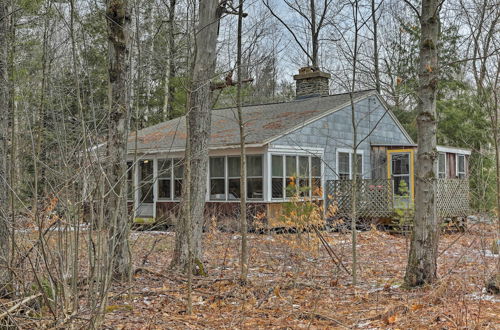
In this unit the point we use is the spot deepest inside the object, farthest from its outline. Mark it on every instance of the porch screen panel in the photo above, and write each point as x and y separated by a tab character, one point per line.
316	176
146	181
130	180
233	169
255	182
217	179
277	176
291	175
178	174
303	180
165	178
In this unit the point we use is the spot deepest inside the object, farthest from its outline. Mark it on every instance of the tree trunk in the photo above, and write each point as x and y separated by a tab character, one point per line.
4	117
169	89
118	26
198	132
422	260
376	68
243	168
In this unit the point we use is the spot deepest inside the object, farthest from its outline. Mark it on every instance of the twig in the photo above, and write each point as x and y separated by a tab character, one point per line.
330	251
19	304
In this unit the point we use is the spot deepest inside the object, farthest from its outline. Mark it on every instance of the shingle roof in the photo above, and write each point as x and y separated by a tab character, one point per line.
263	123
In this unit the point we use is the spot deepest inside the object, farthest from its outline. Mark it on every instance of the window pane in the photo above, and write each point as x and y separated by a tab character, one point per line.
254	165
164	169
442	165
316	187
277	187
177	188
130	189
402	186
315	166
359	165
217	189
164	188
291	166
216	167
233	166
401	164
343	165
291	187
146	192
255	188
146	170
304	166
234	189
461	163
178	168
277	165
304	187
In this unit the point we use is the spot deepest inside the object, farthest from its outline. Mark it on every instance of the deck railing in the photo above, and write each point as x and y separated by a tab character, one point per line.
375	198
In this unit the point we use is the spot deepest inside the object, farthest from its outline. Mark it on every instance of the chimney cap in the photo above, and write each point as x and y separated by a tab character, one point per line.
310	72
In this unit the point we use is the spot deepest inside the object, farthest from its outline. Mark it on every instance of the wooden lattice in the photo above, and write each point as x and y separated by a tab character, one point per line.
453	198
375	198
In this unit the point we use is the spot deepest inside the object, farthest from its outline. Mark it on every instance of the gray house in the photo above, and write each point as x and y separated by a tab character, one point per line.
308	141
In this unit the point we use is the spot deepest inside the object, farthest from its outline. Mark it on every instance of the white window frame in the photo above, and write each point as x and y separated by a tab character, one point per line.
445	165
173	162
350	152
283	156
457	167
226	179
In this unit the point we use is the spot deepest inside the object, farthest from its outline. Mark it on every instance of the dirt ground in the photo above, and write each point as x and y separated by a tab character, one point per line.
293	284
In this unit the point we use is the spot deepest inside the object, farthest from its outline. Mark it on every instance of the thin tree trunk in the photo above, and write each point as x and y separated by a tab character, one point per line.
243	163
118	26
169	89
422	259
4	118
199	120
376	68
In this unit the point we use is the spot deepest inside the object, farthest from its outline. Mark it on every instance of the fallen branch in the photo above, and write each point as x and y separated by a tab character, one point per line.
19	304
330	251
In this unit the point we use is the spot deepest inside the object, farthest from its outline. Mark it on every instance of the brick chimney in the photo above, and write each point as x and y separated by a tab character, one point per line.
311	82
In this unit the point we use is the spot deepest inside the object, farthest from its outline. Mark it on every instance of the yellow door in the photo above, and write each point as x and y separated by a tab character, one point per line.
401	170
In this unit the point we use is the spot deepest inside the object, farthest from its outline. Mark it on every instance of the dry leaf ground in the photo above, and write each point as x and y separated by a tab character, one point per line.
294	284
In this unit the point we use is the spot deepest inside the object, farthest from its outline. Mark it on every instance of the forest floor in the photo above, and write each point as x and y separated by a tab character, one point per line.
293	283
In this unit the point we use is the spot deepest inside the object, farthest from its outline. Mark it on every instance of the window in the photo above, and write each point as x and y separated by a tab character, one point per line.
292	174
146	181
277	176
217	181
164	178
226	172
178	174
461	166
170	172
130	180
255	182
344	167
345	162
442	165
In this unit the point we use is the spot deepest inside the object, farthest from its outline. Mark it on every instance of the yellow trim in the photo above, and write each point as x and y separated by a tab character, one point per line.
412	166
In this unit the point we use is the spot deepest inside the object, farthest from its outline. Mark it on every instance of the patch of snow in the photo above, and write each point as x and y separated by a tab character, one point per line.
484	296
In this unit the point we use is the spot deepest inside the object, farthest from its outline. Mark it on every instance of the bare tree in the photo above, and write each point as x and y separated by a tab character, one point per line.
118	22
422	259
4	117
314	21
198	132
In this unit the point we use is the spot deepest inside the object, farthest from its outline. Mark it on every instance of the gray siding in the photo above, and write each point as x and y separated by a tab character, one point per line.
335	131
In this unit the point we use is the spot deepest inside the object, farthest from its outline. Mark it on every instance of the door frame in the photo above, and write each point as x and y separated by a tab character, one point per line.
412	167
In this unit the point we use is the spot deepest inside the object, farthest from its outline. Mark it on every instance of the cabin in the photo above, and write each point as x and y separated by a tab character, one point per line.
307	141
